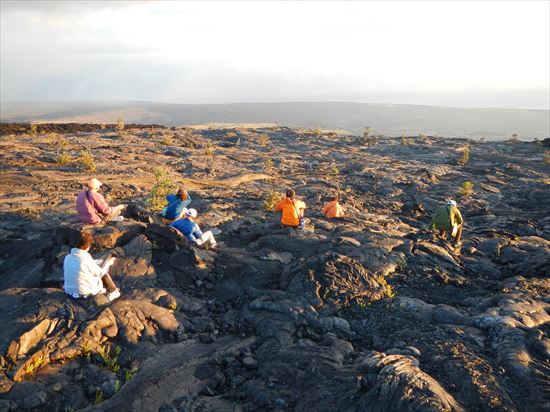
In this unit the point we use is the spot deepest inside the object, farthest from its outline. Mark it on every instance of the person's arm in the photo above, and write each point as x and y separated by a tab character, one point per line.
301	208
187	200
100	204
279	206
93	268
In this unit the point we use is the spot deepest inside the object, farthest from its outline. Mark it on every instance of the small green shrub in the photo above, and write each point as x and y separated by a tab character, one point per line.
268	164
465	158
209	148
34	129
405	141
466	189
167	140
98	397
263	140
110	360
119	124
271	199
64	159
388	290
547	157
162	187
86	161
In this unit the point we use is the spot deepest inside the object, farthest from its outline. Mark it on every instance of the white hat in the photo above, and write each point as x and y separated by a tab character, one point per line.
191	212
451	202
94	184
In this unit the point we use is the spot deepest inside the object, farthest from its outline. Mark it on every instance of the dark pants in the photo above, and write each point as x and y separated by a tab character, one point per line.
108	283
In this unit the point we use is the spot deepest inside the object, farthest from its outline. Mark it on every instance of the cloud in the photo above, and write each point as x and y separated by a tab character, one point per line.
237	51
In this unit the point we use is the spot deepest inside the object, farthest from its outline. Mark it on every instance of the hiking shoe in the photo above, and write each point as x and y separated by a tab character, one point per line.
113	295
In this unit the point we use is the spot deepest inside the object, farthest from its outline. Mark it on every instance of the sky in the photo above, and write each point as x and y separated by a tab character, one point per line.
450	53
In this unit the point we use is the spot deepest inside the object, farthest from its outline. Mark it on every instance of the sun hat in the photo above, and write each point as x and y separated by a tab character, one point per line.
94	184
191	212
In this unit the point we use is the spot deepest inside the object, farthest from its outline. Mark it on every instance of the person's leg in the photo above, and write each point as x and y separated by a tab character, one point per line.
442	233
458	234
115	212
208	237
108	283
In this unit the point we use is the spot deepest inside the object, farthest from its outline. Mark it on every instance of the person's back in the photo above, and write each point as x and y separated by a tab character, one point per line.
87	205
177	205
333	209
187	227
446	217
290	210
78	274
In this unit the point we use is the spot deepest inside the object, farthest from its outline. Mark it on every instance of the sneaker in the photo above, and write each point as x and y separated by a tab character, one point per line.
113	295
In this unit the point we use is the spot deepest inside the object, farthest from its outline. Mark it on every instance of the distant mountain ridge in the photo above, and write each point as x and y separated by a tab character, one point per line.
388	119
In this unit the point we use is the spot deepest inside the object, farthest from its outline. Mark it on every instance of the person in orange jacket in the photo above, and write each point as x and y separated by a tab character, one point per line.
292	210
333	209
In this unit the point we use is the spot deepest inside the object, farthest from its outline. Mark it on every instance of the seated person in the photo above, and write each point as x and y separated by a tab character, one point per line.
292	210
192	231
84	277
448	219
177	206
92	207
333	208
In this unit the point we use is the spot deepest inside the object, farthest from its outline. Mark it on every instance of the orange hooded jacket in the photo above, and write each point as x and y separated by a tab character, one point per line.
289	209
333	209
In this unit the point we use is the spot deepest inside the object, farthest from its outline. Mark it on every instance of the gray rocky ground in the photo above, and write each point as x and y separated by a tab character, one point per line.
369	313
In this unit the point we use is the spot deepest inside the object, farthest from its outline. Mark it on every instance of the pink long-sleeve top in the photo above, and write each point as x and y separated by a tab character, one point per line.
89	205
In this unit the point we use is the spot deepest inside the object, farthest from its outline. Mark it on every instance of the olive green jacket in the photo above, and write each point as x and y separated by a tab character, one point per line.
445	218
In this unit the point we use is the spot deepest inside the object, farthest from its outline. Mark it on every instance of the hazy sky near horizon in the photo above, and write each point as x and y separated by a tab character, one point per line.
454	53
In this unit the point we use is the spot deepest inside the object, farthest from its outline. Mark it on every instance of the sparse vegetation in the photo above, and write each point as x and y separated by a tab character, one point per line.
34	129
110	359
159	191
86	161
271	199
98	397
268	164
547	157
335	170
119	124
406	141
465	158
209	148
230	134
64	158
167	140
388	289
263	140
401	263
36	363
466	189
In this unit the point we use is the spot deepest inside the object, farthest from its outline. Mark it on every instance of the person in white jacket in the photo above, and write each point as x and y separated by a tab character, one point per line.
83	276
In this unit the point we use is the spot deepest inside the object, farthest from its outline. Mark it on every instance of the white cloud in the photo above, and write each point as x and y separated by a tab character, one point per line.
237	51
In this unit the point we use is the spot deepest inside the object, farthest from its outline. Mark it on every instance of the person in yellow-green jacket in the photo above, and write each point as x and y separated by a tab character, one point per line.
448	219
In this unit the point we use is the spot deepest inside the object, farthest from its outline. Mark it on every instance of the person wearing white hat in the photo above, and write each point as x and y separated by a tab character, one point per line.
448	219
192	231
91	206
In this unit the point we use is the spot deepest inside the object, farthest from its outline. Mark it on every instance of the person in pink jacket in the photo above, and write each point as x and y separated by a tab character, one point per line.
91	206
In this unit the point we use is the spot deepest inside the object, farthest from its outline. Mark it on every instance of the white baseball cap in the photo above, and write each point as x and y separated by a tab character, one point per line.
451	202
94	184
191	212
